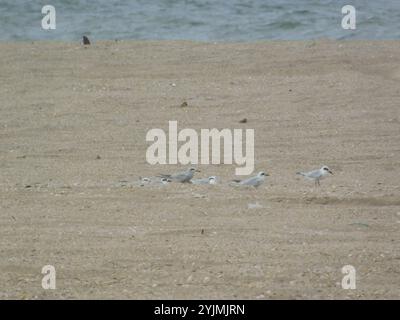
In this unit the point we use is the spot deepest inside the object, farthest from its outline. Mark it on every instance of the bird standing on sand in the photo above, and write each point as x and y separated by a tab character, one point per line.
255	181
316	175
183	177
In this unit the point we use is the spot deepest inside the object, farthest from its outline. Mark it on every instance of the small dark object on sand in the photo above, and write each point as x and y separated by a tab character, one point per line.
86	41
98	157
184	104
243	120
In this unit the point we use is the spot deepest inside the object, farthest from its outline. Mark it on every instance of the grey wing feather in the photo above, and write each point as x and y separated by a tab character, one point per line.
313	174
251	181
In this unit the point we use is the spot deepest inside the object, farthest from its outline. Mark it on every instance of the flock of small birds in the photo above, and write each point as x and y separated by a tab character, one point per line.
187	176
254	181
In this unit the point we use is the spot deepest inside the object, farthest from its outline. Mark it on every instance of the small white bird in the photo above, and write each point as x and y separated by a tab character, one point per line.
153	181
316	175
165	181
209	180
183	177
255	181
144	181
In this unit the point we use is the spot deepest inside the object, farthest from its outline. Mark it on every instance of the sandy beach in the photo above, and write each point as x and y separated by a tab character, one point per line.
73	123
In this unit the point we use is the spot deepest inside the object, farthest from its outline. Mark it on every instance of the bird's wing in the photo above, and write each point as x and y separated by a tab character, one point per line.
180	176
313	174
250	181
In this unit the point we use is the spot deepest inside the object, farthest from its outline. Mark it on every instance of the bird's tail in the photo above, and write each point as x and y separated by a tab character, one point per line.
301	173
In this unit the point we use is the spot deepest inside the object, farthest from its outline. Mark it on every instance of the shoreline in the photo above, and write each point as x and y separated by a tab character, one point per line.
250	42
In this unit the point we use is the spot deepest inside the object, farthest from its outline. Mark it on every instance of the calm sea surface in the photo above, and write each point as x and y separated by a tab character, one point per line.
202	20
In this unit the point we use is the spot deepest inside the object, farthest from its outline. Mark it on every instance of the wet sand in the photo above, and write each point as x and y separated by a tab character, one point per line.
73	122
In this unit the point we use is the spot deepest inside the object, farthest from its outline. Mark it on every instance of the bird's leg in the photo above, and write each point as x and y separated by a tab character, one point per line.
318	182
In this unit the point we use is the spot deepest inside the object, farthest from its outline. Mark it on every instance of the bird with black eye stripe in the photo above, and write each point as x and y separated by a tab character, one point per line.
316	175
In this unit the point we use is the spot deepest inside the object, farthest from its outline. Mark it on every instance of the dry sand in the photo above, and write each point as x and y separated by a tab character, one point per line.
310	103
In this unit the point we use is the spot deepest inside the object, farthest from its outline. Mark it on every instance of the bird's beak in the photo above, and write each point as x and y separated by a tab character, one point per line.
330	172
197	170
267	174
